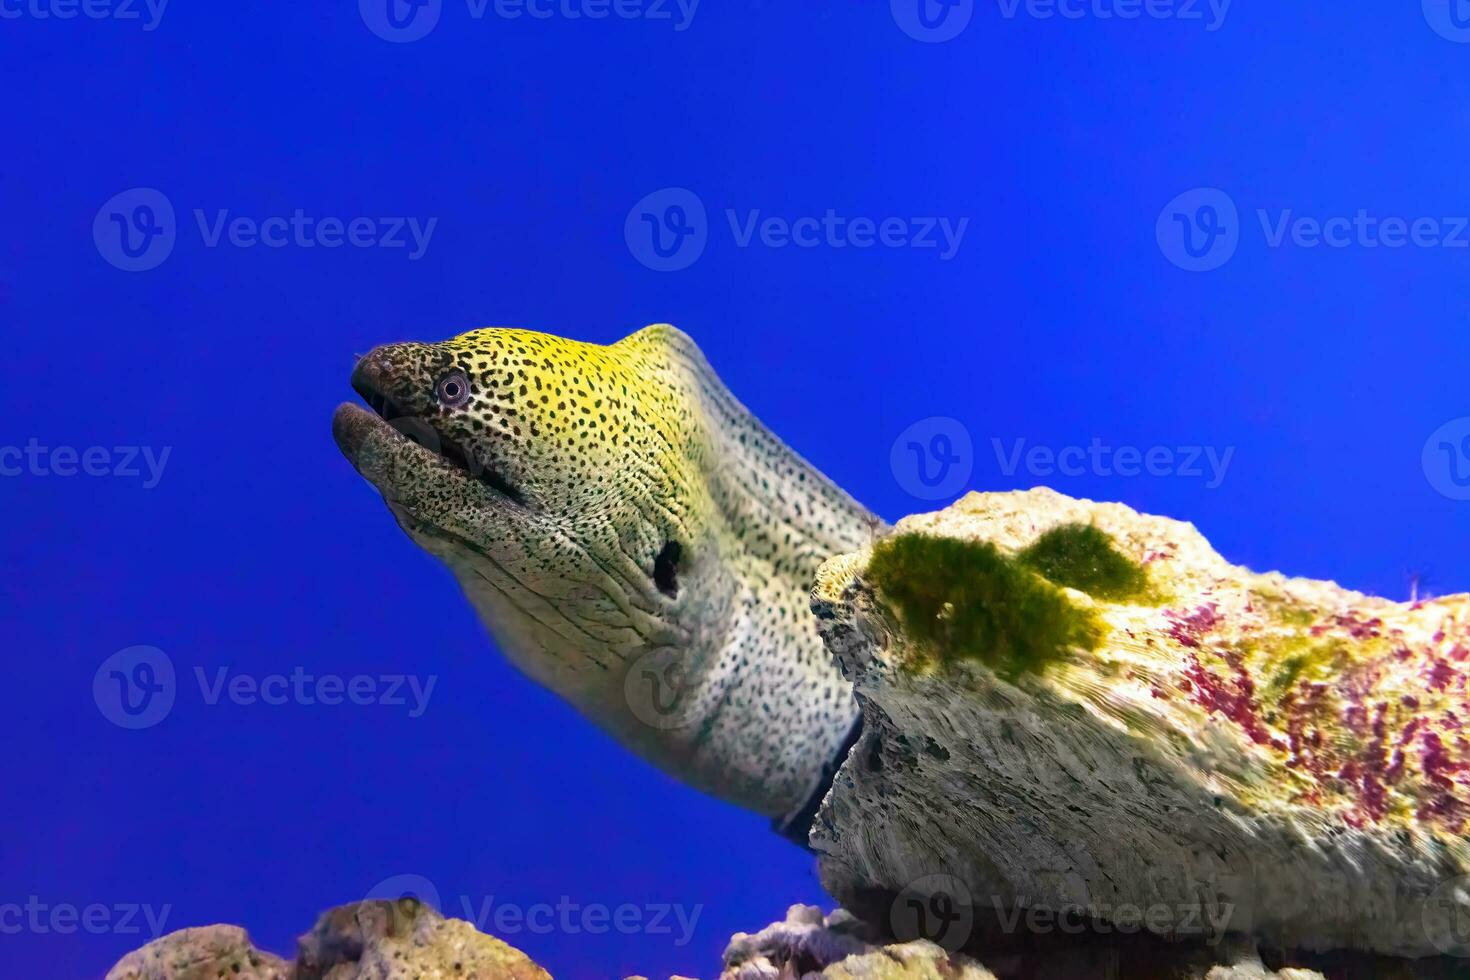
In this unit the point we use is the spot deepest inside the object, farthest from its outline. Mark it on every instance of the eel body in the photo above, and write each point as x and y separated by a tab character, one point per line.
1285	755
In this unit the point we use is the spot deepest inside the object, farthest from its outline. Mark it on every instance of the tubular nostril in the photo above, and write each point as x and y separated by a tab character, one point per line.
370	380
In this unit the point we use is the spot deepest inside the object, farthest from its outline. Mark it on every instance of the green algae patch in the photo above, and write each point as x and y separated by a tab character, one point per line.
1082	557
966	600
1297	658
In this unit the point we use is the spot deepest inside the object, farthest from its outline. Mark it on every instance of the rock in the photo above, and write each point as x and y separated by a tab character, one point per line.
204	953
406	940
374	940
809	946
838	947
1073	732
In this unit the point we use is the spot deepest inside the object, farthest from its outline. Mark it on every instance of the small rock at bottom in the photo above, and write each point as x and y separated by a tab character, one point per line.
402	940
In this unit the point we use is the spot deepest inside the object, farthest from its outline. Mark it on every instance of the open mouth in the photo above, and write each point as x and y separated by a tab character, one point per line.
427	436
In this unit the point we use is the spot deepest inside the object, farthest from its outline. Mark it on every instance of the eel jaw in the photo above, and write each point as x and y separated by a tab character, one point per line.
429	496
359	433
380	453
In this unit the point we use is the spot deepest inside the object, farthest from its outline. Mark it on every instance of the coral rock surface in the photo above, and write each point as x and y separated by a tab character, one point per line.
1204	751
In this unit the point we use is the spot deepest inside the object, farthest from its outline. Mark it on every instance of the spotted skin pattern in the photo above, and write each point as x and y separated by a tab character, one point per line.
551	491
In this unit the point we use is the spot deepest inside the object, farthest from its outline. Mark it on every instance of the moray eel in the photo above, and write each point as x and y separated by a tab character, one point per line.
635	540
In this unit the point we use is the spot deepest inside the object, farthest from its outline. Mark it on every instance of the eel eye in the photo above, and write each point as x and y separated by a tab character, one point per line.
453	390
